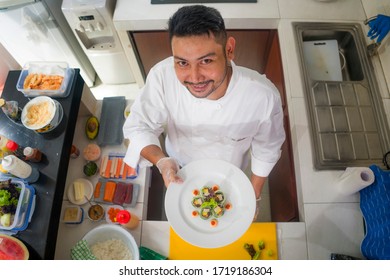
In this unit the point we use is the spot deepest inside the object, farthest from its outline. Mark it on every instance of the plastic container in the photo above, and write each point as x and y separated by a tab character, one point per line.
73	215
51	69
24	209
111	212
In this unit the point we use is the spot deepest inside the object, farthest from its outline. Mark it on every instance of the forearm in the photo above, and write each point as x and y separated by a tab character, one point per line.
258	184
152	153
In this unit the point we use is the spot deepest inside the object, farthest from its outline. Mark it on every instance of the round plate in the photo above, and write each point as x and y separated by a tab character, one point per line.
238	191
88	191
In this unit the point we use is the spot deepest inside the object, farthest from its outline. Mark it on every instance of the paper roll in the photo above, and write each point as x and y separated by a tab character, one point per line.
354	179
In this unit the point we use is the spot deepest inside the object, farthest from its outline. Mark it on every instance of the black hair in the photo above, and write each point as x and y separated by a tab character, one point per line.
197	20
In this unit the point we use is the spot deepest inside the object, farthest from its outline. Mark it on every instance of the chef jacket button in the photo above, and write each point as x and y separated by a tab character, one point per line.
219	106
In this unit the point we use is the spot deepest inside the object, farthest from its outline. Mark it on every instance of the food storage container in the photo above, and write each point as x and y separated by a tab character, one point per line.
52	79
73	215
24	210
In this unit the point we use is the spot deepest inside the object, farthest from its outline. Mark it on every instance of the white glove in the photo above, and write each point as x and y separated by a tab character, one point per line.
168	168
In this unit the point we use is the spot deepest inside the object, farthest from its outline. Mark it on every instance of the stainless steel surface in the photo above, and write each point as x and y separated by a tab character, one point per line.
347	117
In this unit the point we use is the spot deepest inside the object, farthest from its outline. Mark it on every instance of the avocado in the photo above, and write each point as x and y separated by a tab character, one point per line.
92	127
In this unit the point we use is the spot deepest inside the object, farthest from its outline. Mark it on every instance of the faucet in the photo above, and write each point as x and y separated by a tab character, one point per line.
379	27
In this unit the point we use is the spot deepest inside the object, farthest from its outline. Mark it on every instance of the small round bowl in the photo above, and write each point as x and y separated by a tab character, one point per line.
106	232
96	212
112	208
42	114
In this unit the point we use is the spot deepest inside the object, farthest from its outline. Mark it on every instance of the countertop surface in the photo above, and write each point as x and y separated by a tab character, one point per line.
41	234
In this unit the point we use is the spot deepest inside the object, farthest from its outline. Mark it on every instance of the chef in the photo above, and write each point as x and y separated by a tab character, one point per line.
205	105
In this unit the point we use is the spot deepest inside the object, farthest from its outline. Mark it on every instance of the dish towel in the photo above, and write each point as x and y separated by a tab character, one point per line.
375	206
81	251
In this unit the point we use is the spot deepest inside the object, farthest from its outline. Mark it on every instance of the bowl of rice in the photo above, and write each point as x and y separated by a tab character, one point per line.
112	242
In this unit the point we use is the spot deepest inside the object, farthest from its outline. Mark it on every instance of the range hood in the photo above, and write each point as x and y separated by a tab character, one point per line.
6	4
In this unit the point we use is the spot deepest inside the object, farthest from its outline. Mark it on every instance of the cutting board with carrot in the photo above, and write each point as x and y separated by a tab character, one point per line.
179	249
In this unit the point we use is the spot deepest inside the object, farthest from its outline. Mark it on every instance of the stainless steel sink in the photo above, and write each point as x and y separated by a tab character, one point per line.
348	124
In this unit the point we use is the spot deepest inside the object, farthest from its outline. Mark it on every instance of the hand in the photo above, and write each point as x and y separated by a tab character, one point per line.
257	209
379	27
168	168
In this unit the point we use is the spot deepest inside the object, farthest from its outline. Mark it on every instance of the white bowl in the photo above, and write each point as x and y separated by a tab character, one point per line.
41	114
105	232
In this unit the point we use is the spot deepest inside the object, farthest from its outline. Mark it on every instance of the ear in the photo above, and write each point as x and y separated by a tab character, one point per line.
230	46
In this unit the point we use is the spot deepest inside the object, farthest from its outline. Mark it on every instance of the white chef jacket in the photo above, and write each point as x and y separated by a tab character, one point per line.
248	119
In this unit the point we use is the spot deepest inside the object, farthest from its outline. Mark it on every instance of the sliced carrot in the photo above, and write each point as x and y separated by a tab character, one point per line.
96	193
118	167
109	191
108	169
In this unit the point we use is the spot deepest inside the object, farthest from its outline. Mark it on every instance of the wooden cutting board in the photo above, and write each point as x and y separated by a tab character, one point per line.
179	249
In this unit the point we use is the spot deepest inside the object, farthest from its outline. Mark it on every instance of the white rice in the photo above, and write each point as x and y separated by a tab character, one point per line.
112	249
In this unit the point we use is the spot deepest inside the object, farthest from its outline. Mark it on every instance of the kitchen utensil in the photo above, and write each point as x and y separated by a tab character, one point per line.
179	249
322	59
238	192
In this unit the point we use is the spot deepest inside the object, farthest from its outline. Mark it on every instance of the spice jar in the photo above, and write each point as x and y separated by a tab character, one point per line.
32	154
74	152
127	219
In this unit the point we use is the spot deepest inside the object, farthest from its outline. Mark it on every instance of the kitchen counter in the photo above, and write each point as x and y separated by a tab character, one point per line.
41	234
333	223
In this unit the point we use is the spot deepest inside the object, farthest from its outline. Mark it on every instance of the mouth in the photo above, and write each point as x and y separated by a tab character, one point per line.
198	87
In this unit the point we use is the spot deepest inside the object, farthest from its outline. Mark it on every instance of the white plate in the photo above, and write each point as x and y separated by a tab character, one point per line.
238	191
88	191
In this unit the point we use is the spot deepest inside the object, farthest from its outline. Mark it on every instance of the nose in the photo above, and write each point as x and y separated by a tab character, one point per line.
194	74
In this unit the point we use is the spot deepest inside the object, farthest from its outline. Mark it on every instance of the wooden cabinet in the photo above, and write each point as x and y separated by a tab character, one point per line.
258	50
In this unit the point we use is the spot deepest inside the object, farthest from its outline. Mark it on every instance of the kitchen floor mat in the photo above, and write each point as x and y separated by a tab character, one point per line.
111	121
179	249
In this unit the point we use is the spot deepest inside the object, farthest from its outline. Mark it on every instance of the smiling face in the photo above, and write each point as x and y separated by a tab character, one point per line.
201	64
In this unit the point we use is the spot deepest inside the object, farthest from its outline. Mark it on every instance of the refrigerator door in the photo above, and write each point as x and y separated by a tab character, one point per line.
31	33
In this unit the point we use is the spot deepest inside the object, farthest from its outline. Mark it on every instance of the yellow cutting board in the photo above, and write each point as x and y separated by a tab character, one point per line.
179	249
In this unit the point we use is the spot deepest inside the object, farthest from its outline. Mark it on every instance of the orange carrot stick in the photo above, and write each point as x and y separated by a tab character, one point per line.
118	168
108	169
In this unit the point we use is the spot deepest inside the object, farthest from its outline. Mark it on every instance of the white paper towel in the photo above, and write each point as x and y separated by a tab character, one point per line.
354	179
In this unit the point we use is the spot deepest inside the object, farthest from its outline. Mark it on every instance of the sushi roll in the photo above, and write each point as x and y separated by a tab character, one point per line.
219	197
197	201
207	192
205	212
218	211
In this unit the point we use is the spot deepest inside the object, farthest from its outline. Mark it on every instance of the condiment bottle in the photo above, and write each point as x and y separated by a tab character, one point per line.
127	219
32	154
15	149
19	168
3	143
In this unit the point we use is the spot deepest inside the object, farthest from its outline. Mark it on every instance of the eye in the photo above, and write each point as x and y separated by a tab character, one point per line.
182	63
206	61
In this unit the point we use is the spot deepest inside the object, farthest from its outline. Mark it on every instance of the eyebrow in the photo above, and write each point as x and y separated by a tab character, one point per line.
199	58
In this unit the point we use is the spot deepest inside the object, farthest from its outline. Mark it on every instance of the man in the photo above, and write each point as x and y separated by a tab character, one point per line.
209	107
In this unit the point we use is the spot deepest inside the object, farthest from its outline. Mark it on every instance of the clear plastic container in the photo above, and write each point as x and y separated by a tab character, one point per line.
46	68
24	210
73	215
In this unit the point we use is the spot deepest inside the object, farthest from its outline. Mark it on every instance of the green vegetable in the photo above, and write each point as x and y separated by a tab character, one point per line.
270	253
90	168
261	245
6	198
5	220
92	127
250	249
212	203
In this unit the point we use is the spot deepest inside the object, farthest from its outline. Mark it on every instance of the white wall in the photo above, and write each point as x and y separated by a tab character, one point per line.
7	63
